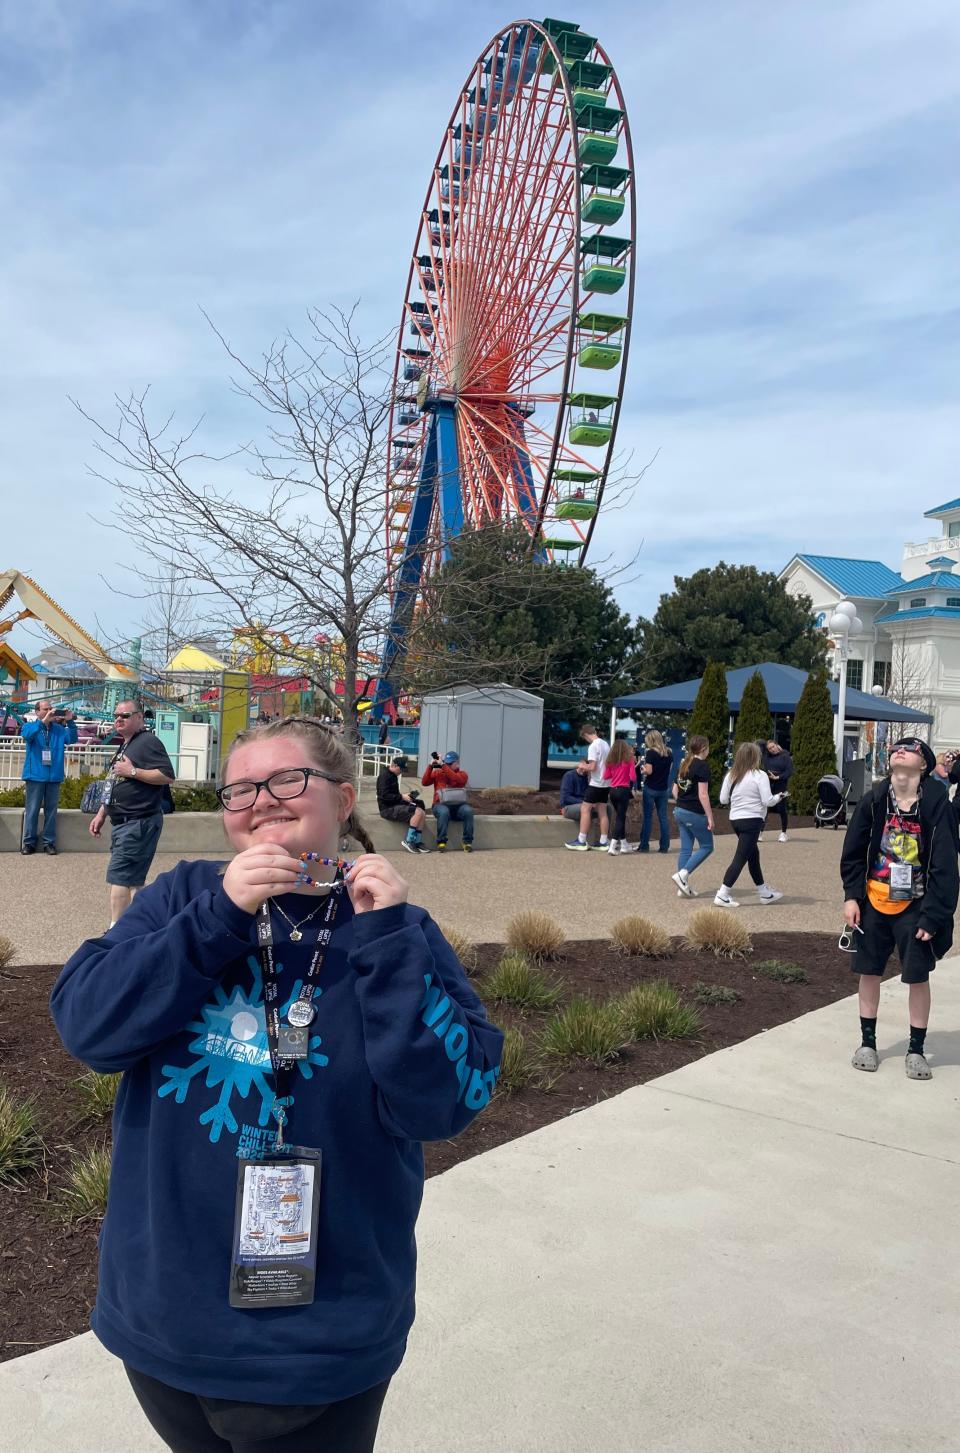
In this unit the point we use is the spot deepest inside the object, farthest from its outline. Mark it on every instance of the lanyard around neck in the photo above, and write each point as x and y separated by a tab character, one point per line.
282	1067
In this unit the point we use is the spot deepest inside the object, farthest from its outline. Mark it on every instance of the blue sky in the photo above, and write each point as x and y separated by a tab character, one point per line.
795	352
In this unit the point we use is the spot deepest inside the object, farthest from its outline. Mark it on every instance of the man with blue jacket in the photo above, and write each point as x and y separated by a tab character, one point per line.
43	771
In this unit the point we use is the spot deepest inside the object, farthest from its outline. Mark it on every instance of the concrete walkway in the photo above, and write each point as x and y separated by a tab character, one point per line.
755	1252
48	906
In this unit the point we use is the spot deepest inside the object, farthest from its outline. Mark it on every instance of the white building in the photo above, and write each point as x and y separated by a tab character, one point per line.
910	644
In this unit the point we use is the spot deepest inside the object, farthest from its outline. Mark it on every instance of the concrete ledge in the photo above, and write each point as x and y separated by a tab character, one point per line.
190	833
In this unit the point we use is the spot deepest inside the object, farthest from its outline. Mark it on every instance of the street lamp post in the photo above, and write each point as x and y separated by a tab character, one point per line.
843	624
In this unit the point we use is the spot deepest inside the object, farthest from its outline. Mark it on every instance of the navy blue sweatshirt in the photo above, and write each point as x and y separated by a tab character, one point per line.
403	1052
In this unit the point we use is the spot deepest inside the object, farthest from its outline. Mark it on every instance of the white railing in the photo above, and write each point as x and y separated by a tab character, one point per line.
372	758
83	759
932	547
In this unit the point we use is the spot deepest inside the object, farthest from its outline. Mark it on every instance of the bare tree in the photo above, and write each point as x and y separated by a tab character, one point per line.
909	685
307	562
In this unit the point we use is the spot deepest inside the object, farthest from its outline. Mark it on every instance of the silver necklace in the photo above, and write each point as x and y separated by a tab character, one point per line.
295	934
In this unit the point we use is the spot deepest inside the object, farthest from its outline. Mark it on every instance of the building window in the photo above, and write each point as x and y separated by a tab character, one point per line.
954	600
881	674
953	530
855	675
918	600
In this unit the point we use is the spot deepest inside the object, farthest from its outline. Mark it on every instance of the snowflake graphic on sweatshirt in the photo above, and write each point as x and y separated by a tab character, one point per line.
232	1050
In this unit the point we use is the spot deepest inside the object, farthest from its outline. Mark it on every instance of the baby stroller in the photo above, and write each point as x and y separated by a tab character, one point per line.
832	794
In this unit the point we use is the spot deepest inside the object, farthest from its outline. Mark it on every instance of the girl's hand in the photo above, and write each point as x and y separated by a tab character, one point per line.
851	913
709	824
258	873
374	883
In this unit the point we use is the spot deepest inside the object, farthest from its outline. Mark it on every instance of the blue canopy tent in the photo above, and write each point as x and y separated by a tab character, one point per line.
783	686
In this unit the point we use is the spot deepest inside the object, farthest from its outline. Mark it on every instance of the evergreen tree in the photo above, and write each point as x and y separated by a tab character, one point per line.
754	722
710	718
811	744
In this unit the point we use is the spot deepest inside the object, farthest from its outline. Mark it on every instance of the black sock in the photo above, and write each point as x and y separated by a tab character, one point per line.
868	1028
917	1036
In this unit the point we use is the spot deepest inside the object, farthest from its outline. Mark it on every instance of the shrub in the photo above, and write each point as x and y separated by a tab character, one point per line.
714	994
7	951
464	948
784	973
754	722
641	937
201	798
655	1011
537	935
502	794
516	981
98	1092
710	718
585	1030
21	1149
13	797
515	1067
811	742
716	930
84	1197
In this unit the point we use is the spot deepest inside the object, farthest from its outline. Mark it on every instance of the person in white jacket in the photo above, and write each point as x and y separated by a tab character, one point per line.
747	791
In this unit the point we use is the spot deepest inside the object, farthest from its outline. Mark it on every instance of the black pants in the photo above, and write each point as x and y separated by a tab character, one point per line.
747	829
191	1424
882	932
781	810
620	801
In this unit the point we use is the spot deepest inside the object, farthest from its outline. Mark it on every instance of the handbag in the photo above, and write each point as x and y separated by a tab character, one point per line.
452	796
92	799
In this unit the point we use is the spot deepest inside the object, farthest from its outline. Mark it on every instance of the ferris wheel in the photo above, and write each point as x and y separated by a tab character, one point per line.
511	353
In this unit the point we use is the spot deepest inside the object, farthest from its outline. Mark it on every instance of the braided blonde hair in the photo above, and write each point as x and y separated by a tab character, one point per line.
327	751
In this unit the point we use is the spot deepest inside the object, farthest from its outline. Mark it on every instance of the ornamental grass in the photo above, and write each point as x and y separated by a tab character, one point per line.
640	937
656	1011
536	935
713	930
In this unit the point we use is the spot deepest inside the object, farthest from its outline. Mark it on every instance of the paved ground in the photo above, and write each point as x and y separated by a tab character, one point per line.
49	905
754	1252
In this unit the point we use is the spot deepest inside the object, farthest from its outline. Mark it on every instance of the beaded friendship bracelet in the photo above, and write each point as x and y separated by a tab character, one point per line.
344	864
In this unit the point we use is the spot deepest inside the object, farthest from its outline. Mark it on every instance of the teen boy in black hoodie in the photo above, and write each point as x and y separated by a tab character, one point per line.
900	883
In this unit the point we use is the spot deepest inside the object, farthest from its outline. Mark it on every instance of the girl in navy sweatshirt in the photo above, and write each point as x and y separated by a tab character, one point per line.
400	1051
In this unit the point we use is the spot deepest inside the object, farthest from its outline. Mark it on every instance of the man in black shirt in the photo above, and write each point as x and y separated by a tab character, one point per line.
397	806
138	778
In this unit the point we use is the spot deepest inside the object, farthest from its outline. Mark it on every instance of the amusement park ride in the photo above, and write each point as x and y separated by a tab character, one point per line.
496	415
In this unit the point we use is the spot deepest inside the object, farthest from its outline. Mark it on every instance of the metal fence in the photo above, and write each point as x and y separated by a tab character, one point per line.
81	760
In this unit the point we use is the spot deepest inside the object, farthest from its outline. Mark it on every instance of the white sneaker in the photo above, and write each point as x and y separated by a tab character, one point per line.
614	846
768	895
783	838
722	901
680	878
759	837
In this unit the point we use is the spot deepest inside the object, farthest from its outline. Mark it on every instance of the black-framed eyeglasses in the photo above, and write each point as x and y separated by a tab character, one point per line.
282	785
123	715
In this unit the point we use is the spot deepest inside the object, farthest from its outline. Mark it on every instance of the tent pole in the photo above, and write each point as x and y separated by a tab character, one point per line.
613	725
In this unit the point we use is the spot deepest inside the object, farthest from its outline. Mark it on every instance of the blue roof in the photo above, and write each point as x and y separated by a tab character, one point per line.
783	686
870	578
937	580
952	504
941	560
921	612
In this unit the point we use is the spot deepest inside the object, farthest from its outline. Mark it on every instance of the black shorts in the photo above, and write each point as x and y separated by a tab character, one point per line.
884	932
401	813
596	794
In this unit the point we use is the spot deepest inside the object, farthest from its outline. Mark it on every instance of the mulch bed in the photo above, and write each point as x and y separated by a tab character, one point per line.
48	1270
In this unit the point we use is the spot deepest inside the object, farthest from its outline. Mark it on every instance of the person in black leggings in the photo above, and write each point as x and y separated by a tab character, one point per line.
620	772
192	1424
747	791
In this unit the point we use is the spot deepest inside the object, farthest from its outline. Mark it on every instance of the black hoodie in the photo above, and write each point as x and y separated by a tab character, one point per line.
938	856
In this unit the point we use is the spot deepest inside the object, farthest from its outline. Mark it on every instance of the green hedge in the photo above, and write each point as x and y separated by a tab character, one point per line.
201	798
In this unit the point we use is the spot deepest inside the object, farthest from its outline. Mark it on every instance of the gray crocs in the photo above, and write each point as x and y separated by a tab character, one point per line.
917	1067
866	1059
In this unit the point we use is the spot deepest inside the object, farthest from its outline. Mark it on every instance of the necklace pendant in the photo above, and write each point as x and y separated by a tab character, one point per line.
295	935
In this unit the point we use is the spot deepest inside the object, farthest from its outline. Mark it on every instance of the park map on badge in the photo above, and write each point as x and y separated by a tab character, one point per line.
275	1237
